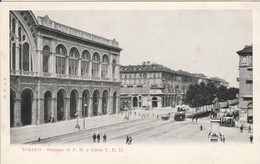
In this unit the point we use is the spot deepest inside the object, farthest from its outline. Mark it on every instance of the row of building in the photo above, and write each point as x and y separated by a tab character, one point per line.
155	85
59	72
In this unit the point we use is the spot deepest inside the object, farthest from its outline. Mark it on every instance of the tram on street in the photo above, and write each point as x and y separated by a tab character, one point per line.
227	121
180	115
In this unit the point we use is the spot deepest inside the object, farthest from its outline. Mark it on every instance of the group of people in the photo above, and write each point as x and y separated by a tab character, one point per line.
96	138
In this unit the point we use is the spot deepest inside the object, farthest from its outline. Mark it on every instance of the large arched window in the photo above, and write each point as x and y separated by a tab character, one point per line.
95	65
60	59
26	61
85	63
104	69
45	59
73	61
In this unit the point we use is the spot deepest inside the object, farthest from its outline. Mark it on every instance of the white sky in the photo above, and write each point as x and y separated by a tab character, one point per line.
194	41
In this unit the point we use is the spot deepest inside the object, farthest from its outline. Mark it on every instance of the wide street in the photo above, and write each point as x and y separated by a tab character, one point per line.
149	130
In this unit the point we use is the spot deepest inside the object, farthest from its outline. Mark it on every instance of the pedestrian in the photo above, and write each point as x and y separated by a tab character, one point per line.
196	119
130	140
249	129
104	138
127	139
98	138
201	127
157	117
223	139
39	139
94	137
241	128
251	138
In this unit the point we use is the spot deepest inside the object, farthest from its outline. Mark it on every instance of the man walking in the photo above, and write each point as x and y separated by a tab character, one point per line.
201	127
241	128
94	137
127	139
104	138
251	138
130	140
98	138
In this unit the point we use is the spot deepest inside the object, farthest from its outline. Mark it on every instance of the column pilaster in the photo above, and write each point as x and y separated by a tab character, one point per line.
17	113
100	105
90	108
79	106
54	109
67	108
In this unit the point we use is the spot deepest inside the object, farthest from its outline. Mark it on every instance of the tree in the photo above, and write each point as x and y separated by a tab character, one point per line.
222	93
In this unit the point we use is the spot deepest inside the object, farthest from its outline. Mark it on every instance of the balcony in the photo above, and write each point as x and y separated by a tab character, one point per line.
47	74
156	86
62	75
23	73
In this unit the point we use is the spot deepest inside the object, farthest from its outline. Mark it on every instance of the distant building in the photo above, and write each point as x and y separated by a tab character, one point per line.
57	71
157	86
245	80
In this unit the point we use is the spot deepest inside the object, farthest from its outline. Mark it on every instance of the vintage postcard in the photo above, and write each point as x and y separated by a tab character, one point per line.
129	82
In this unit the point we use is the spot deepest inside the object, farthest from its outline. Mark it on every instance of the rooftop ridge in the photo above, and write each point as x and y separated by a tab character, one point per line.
47	22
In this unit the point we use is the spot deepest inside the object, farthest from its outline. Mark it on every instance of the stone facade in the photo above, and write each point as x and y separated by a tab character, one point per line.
57	72
157	86
246	83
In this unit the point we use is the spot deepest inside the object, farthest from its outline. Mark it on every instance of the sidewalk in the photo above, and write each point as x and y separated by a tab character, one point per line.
25	134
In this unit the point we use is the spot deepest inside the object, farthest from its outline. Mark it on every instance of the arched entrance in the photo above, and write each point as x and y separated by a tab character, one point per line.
104	102
135	101
114	102
47	106
26	107
73	103
60	104
12	101
96	96
154	102
85	103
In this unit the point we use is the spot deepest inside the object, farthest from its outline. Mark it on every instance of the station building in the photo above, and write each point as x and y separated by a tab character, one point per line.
245	80
59	72
157	86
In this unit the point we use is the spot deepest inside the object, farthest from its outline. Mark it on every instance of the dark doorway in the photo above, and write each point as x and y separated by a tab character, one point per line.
85	103
73	104
95	102
26	107
114	102
12	101
135	102
47	106
104	102
60	105
154	102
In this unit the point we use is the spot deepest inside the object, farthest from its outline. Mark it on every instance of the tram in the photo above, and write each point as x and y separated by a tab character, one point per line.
180	115
227	121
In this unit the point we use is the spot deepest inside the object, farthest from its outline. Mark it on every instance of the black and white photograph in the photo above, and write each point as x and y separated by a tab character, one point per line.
129	78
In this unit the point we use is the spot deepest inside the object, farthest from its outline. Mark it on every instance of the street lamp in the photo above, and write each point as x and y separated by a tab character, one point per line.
85	107
77	127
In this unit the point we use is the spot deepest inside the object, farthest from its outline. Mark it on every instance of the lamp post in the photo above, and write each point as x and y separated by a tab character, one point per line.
77	127
85	107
